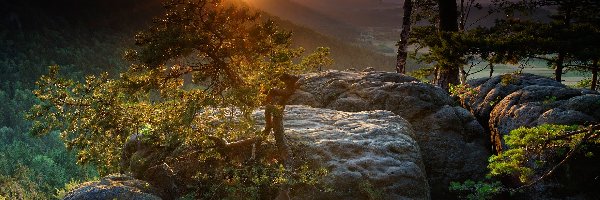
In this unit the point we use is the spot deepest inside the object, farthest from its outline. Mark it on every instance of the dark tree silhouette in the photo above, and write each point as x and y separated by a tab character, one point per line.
404	36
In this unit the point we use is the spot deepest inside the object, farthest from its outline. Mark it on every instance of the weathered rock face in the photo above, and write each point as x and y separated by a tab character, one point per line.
114	186
364	151
490	91
515	100
452	142
374	147
511	101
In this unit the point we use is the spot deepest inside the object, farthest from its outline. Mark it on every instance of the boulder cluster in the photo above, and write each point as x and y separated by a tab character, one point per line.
382	132
504	103
452	142
507	102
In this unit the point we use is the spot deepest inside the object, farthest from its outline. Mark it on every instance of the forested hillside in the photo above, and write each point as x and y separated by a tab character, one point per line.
312	29
33	36
344	55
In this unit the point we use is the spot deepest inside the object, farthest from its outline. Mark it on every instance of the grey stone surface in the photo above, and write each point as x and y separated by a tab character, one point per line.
511	101
115	186
490	91
452	142
375	147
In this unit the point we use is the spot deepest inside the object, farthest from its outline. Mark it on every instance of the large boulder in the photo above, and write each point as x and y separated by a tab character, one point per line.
536	105
511	101
453	143
363	151
504	103
115	186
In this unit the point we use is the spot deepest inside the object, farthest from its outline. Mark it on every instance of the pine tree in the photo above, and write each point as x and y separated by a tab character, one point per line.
565	41
404	36
197	75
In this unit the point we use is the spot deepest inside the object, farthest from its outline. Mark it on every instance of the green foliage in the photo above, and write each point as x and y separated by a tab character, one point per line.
532	155
20	186
422	74
260	180
446	50
31	167
511	162
26	55
477	190
198	73
507	79
495	101
566	40
450	44
531	150
462	91
14	103
585	83
36	166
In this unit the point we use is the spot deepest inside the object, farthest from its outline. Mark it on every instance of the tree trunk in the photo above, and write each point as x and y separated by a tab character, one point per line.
403	43
491	69
447	76
463	16
448	15
448	73
595	69
560	60
274	110
559	66
436	70
462	76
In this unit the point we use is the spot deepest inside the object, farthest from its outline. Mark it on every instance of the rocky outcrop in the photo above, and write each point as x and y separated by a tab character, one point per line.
511	101
116	186
452	142
490	91
366	153
371	150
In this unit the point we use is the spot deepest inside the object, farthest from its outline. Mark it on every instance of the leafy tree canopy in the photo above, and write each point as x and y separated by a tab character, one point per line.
200	64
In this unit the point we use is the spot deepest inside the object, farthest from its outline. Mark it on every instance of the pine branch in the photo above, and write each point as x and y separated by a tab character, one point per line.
589	134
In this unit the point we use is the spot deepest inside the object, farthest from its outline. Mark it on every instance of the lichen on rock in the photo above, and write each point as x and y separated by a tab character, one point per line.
374	147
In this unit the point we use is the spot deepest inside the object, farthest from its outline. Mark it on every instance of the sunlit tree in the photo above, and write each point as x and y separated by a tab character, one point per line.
198	74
